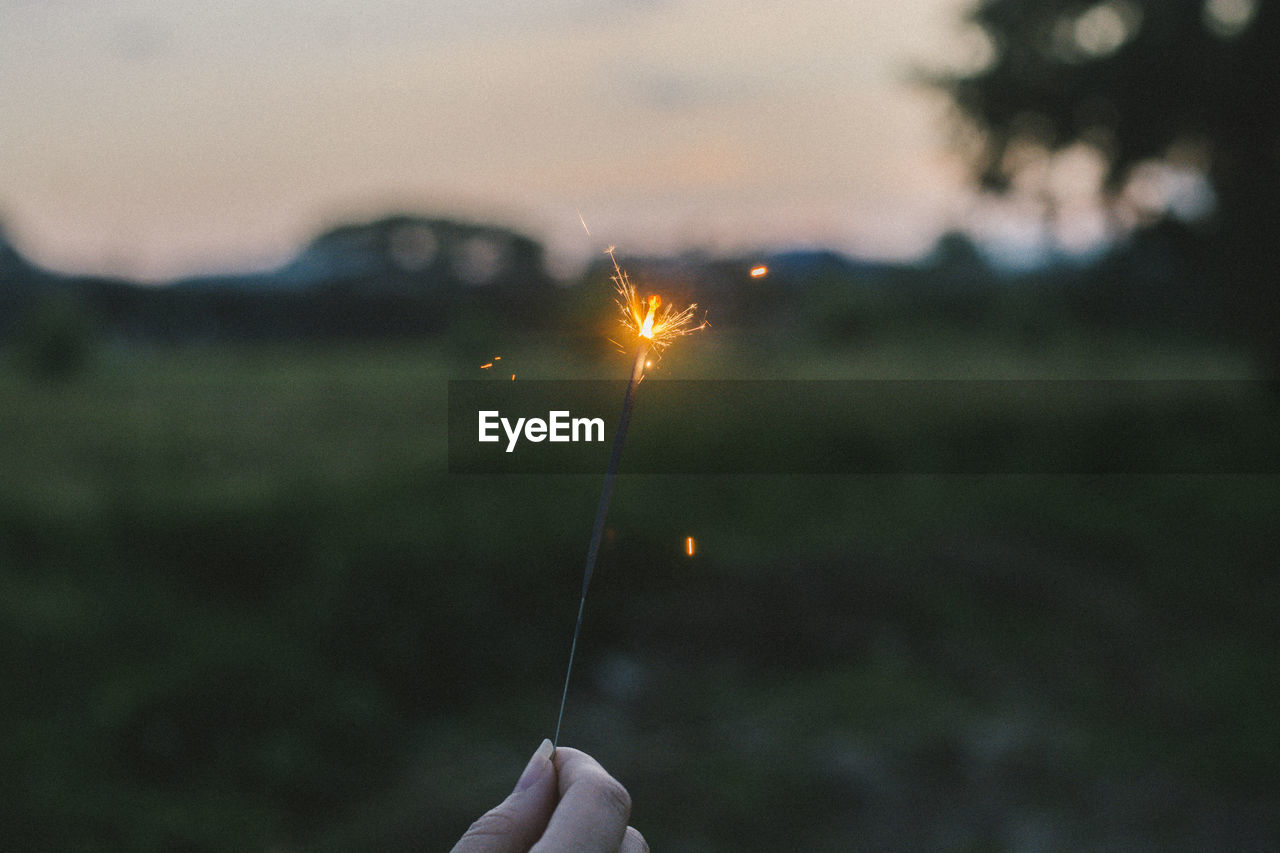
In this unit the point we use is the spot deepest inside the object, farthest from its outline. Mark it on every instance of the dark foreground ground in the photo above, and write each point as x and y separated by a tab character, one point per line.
242	607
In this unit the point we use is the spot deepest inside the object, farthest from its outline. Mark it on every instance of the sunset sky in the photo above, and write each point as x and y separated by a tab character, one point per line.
155	138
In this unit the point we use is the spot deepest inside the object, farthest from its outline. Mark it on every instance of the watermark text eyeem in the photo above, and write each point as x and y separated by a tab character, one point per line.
559	426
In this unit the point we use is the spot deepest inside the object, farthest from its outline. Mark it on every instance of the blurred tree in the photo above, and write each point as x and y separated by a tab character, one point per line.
1169	104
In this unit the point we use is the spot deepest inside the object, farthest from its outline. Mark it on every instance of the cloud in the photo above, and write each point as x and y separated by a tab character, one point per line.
652	87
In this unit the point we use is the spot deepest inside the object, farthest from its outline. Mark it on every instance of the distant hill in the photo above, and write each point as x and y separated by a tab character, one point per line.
395	276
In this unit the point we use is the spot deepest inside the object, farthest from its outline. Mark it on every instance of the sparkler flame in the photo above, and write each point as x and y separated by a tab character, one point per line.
660	323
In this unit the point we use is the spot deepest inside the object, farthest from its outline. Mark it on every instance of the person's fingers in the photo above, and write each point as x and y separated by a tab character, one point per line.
514	825
633	842
593	810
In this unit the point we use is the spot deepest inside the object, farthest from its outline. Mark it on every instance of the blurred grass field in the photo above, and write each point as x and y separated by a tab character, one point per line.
242	607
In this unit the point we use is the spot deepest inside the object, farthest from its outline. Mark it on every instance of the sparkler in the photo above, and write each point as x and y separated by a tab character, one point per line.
655	325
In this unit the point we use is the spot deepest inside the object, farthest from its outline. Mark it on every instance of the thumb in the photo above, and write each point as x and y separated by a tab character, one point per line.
517	822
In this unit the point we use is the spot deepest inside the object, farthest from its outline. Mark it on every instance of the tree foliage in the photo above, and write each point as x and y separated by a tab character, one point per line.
1139	80
1154	90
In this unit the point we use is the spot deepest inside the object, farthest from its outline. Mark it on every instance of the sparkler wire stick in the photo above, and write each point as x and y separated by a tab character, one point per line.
602	511
656	329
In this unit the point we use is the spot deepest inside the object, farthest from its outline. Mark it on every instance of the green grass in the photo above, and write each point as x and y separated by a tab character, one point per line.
242	606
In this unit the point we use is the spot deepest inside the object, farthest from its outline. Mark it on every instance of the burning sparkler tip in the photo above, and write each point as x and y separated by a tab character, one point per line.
657	322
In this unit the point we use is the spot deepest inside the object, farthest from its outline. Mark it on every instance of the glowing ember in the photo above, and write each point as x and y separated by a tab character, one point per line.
688	546
646	328
486	366
760	271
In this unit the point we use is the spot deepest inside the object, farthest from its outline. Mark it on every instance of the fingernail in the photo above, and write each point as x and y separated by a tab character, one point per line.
536	766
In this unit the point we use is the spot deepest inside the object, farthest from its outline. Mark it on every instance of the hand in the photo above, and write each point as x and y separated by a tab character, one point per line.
565	802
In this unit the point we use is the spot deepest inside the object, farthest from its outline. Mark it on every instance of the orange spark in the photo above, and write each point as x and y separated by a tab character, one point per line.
486	366
760	271
688	545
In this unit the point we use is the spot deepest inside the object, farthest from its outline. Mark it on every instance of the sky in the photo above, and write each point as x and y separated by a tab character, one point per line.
159	138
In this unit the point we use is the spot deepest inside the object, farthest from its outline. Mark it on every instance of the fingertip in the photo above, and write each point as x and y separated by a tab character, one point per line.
539	764
633	842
